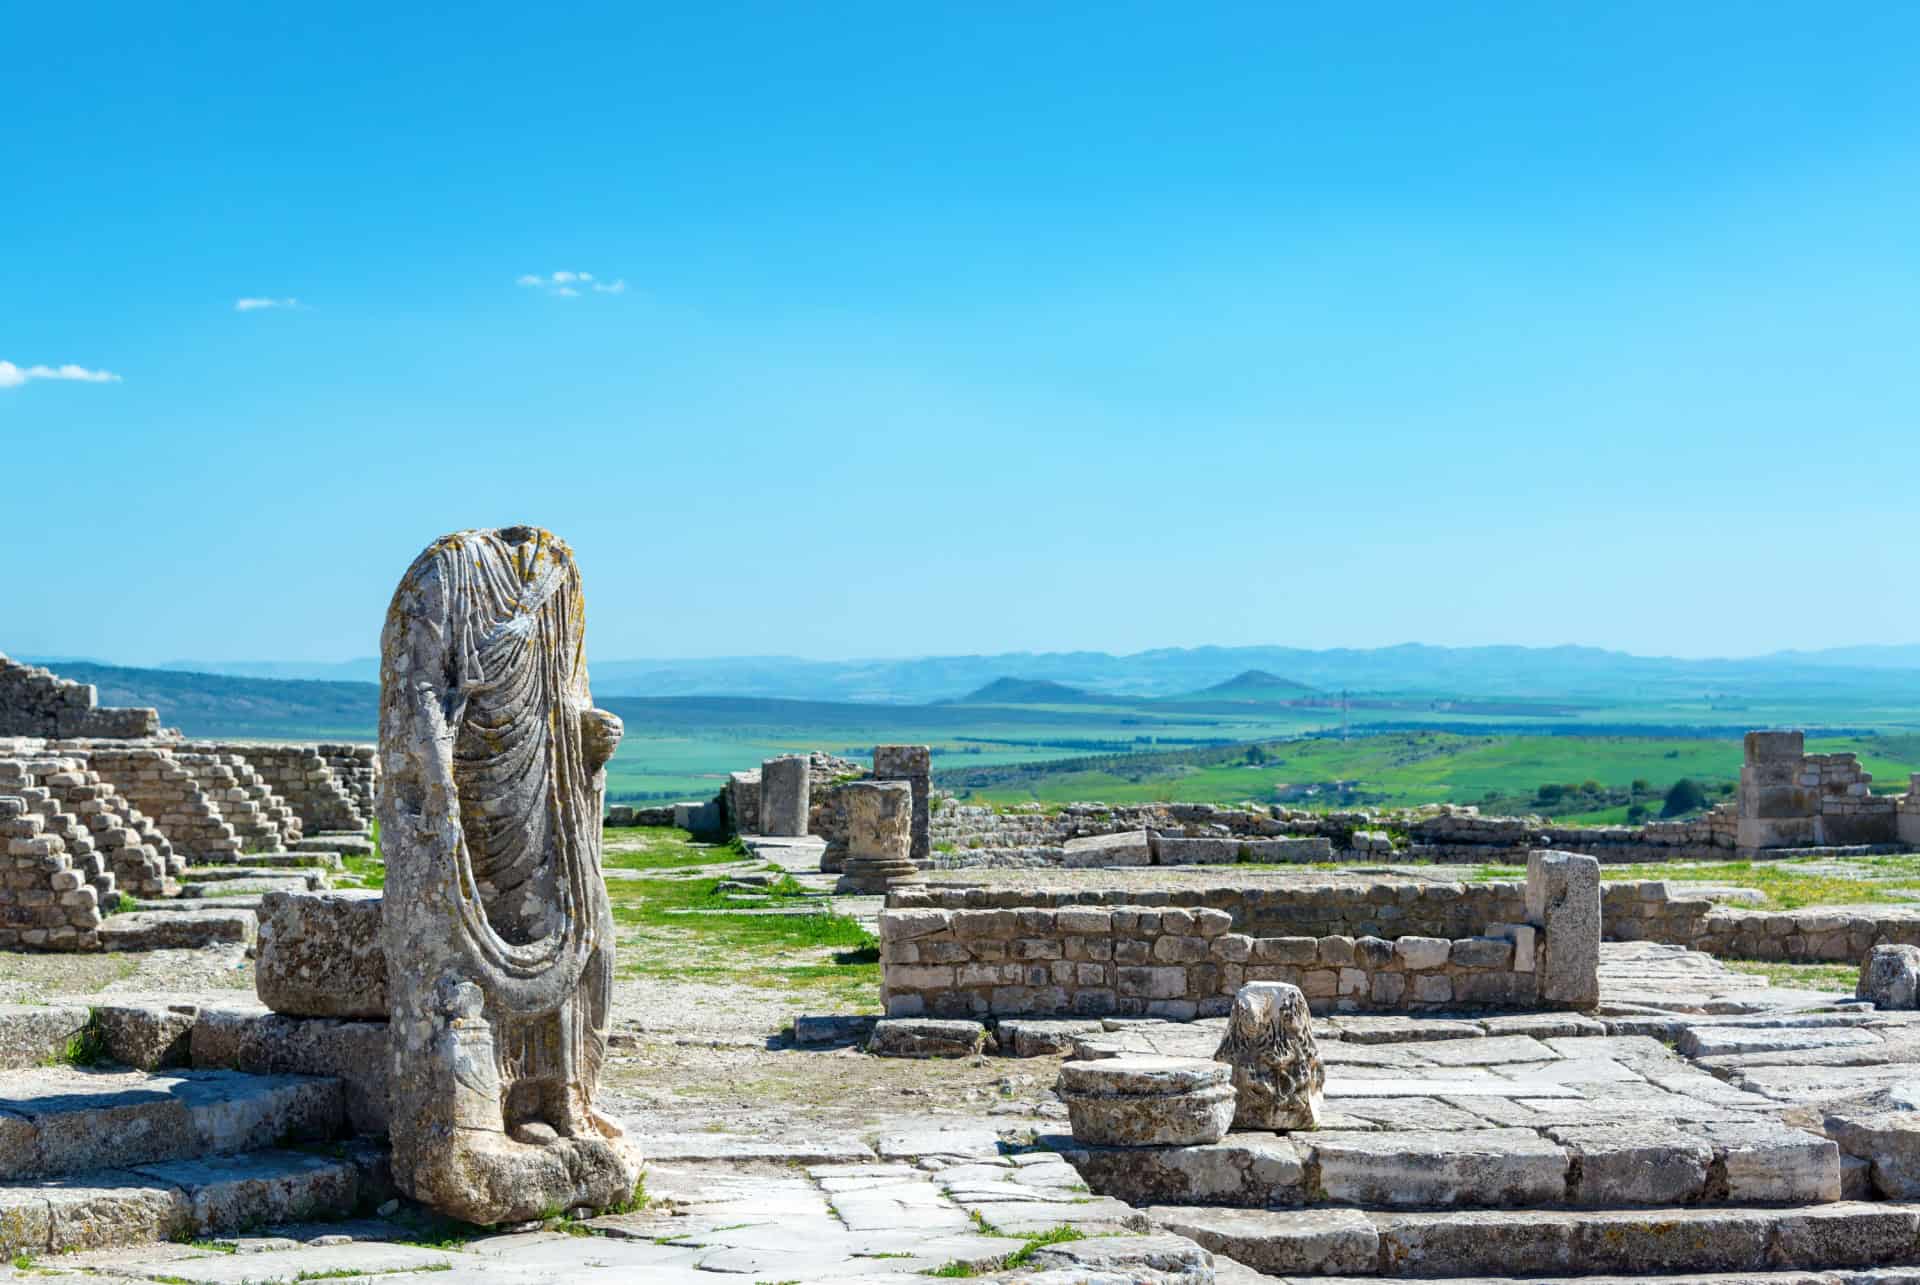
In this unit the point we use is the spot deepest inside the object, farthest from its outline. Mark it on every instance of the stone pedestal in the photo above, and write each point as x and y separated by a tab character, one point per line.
1563	903
1890	977
914	765
1147	1101
785	795
879	836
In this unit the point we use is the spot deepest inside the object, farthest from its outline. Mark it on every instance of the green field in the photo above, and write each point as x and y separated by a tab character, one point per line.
1500	773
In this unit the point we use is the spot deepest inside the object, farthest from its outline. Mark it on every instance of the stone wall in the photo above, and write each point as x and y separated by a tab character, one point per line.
1789	798
88	815
357	770
1657	910
37	702
1177	963
968	836
50	892
152	780
1389	908
261	820
301	777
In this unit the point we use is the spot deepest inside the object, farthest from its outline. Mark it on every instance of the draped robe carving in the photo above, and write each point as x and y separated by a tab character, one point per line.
495	920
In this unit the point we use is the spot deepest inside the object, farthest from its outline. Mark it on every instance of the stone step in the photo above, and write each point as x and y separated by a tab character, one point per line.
38	1034
345	844
328	859
181	1200
66	1119
274	876
179	926
1564	1244
1713	1162
254	885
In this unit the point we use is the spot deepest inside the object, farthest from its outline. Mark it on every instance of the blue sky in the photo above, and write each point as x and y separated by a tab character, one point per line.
953	328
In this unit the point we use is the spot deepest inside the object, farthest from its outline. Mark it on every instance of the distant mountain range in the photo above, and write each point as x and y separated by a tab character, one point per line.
1208	673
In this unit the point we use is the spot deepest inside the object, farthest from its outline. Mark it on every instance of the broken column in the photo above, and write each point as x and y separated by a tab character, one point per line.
879	836
496	927
1277	1076
1778	802
914	765
1144	1100
1563	904
785	787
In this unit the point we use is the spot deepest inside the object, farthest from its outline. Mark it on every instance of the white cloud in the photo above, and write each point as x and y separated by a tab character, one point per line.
567	285
12	376
254	304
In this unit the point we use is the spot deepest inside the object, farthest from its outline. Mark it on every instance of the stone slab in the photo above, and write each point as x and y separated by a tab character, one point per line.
1424	1169
1341	1086
319	954
1315	1242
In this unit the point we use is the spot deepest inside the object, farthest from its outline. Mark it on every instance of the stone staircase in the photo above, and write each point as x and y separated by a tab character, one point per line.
1710	1146
102	1156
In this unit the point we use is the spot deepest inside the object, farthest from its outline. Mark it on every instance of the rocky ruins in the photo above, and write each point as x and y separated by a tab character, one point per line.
1206	1044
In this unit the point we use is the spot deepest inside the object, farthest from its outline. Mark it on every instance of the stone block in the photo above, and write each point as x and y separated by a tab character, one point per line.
1248	1170
785	795
1890	977
1306	1243
36	1034
1563	902
1026	1037
1145	1100
1889	1142
1412	1169
1173	851
1099	851
147	1036
926	1038
320	954
1635	1163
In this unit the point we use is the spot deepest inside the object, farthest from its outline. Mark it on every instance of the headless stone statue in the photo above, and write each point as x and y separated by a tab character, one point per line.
495	921
1277	1076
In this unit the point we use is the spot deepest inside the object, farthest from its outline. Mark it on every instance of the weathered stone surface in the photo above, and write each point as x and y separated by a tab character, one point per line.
1411	1169
785	788
35	1034
1315	1242
147	1036
1249	1170
495	920
1563	902
914	765
1127	848
926	1037
1127	1258
879	818
176	930
1890	977
320	954
1028	1037
835	1028
1145	1101
1277	1077
1635	1163
1890	1142
263	1043
1769	1162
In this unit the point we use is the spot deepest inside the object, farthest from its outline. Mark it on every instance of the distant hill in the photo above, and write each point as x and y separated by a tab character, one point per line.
1030	691
219	705
1257	684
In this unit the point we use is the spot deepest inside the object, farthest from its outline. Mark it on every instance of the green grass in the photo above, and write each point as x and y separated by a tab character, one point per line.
1499	773
1058	1235
1838	978
653	847
689	930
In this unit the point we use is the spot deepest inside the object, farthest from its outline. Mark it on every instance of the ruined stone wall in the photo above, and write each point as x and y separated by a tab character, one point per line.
37	702
1391	908
1656	910
89	816
357	770
152	780
1789	798
300	776
967	836
49	893
1176	963
261	820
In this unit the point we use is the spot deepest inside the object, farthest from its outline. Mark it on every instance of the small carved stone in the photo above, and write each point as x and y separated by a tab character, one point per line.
1277	1075
497	931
